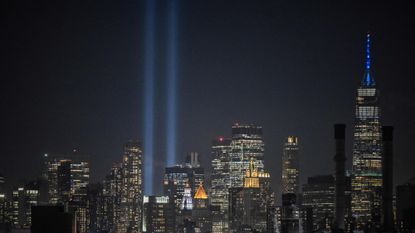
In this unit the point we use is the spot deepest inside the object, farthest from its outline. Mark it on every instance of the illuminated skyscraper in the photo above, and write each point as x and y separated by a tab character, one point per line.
130	215
24	197
180	184
220	183
318	194
112	195
79	180
248	208
367	157
246	143
201	212
158	214
290	166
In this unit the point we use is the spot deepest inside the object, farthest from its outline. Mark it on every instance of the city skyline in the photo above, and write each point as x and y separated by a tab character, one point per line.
103	138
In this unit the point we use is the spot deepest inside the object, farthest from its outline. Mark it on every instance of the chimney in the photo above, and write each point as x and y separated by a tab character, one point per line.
340	159
387	178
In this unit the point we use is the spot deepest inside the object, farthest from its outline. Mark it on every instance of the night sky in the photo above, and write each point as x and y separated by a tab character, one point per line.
72	77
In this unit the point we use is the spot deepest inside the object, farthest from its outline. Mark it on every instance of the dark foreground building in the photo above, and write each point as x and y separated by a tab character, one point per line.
52	219
405	206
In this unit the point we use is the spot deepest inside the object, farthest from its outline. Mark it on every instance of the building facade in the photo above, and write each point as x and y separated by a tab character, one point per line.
248	209
158	214
131	191
220	183
290	166
367	147
319	195
247	143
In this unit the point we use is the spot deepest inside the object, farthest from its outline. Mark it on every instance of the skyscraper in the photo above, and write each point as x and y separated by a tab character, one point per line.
290	166
220	183
158	214
367	147
131	189
24	197
246	143
248	208
68	178
318	194
181	182
112	195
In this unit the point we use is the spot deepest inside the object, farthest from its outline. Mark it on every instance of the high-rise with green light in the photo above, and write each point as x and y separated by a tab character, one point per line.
367	157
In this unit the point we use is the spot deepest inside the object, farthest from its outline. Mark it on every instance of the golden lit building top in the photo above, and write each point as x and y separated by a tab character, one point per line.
200	193
252	176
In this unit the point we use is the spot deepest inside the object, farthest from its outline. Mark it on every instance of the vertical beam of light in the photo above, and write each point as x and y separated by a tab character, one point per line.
171	123
149	77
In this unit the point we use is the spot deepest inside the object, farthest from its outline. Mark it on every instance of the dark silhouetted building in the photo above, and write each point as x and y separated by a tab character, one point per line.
405	207
52	219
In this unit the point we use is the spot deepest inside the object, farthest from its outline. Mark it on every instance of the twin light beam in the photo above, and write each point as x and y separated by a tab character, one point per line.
149	89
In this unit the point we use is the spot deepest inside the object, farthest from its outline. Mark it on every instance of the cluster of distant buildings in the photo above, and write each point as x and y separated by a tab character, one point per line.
237	196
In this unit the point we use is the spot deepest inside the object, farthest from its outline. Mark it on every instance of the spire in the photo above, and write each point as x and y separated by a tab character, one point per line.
368	79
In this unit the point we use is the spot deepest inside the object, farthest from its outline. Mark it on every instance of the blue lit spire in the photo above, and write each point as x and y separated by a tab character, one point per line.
368	79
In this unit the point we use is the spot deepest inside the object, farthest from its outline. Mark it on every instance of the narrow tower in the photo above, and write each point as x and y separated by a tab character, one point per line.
290	166
340	159
387	165
367	150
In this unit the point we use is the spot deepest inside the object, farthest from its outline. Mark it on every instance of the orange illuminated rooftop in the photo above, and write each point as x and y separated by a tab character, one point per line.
201	193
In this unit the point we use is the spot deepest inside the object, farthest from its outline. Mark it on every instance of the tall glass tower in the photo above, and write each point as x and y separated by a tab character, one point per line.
367	157
246	143
290	166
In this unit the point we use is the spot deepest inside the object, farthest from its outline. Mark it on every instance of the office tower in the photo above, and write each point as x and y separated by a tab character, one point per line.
52	219
112	195
201	211
3	204
220	183
387	177
175	181
340	176
180	184
187	200
319	195
405	206
79	180
246	143
247	207
290	166
367	148
290	214
273	219
158	214
68	177
306	220
24	197
97	212
64	180
131	201
52	177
